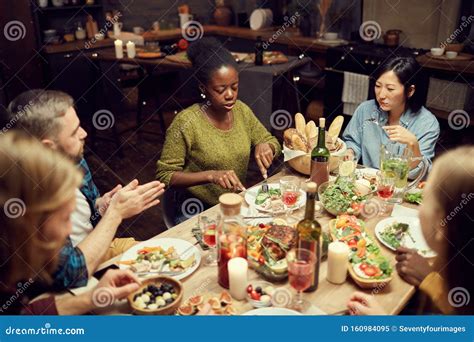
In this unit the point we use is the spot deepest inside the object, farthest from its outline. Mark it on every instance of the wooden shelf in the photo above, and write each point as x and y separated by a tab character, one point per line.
64	8
78	45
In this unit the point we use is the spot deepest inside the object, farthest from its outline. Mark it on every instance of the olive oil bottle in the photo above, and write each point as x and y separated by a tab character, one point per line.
309	233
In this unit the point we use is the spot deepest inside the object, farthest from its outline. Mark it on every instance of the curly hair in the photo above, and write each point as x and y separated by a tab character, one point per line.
208	55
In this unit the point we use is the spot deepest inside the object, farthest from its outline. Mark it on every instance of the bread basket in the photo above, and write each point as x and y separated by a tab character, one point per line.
302	164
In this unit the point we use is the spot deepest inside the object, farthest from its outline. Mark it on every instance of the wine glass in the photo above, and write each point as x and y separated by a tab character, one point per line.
208	228
301	267
385	188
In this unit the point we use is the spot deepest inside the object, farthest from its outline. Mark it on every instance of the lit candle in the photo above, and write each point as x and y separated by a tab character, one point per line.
118	48
338	254
238	277
131	49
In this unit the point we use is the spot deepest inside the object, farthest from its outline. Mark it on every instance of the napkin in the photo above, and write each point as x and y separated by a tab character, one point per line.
400	210
291	154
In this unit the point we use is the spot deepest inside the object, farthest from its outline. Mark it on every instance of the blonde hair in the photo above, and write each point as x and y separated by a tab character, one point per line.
34	182
453	190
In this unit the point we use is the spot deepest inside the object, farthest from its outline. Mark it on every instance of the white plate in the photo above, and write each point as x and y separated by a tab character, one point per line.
415	231
184	248
272	312
253	212
251	194
367	171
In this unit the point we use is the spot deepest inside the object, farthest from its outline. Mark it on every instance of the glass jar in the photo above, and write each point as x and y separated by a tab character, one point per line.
80	32
231	235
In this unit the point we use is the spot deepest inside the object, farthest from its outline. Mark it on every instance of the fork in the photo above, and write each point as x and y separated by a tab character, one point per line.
265	183
166	273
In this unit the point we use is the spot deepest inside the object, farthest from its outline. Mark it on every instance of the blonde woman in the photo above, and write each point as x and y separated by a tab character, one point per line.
446	217
37	197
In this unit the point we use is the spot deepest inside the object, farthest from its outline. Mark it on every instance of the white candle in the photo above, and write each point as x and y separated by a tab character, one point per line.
338	254
238	277
131	49
118	48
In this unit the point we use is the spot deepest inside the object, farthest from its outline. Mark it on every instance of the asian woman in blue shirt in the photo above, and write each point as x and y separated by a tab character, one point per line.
396	115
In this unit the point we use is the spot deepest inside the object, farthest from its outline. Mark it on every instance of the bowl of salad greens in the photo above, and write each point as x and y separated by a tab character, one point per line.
343	196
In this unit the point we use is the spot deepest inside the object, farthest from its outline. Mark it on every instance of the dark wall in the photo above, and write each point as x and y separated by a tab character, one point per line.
20	64
144	12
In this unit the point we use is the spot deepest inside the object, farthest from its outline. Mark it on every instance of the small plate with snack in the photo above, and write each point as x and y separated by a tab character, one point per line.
401	231
164	256
271	201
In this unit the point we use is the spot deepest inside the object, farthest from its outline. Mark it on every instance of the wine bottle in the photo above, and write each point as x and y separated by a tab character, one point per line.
259	51
309	233
320	157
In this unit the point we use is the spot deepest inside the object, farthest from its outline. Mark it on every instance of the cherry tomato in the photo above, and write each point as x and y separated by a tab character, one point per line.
143	251
261	225
183	44
363	266
352	243
261	260
249	289
255	295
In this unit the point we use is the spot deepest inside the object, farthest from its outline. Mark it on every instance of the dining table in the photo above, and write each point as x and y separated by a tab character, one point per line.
327	299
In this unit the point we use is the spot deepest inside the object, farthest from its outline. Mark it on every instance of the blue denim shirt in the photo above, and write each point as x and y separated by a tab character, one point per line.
365	137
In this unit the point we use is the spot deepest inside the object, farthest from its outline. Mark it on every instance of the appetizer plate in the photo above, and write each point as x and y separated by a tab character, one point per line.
368	174
255	220
271	311
184	248
251	195
416	241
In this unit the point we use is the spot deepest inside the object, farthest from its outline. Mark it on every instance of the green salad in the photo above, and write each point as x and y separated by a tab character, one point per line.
342	196
393	234
414	197
262	196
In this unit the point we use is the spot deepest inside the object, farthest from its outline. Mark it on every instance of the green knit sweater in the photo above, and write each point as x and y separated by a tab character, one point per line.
193	144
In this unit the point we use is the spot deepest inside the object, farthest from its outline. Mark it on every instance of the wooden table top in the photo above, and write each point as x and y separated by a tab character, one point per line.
328	297
165	64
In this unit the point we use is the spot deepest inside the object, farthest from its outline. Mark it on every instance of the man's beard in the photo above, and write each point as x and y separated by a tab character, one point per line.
77	158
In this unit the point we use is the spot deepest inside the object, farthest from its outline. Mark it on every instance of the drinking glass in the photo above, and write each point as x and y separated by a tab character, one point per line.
301	266
290	190
208	226
385	188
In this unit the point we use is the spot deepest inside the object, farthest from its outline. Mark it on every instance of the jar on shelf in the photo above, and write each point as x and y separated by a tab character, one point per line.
80	32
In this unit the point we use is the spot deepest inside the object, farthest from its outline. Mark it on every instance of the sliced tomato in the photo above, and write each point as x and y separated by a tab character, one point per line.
371	270
363	266
142	251
355	206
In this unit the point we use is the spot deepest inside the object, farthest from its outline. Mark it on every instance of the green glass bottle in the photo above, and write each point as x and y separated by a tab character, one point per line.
320	157
309	233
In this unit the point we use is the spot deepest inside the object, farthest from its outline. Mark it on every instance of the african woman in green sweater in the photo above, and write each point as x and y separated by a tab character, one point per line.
208	145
